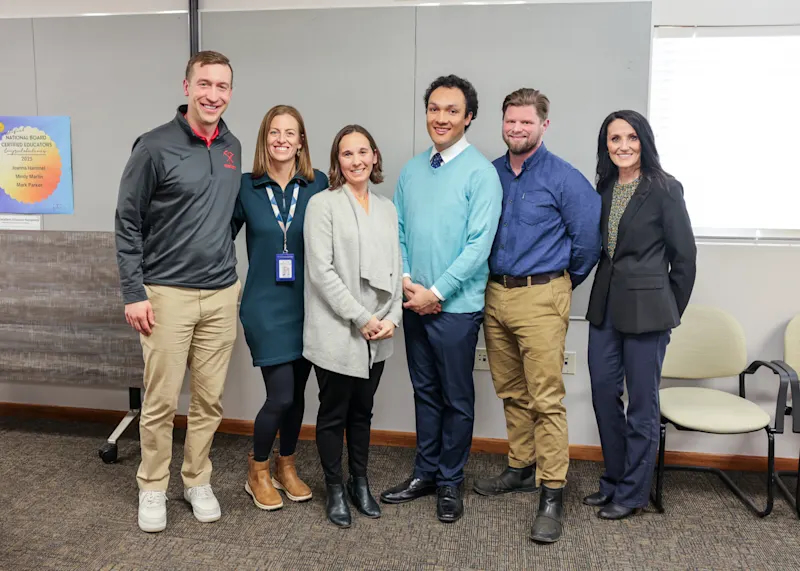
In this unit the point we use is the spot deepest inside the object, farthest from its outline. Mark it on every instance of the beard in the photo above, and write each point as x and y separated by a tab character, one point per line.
522	147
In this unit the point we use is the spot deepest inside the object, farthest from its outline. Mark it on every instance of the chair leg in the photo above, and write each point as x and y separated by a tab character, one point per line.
793	499
797	489
770	473
771	479
657	501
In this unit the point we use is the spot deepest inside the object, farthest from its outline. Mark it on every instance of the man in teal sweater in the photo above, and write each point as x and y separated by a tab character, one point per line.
448	203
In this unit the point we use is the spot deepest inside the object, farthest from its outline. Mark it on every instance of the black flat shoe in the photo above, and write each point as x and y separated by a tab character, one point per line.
409	490
614	511
449	504
509	480
597	499
336	508
358	490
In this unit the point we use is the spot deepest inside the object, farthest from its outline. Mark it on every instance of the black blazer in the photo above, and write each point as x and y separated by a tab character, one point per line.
647	285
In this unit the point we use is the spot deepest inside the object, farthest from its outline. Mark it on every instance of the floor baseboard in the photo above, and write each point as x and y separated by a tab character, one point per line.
396	438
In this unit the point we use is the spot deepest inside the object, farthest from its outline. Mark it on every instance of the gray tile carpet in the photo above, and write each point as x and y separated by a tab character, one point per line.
62	508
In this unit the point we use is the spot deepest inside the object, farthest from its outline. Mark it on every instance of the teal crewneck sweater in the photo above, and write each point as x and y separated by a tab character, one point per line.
448	218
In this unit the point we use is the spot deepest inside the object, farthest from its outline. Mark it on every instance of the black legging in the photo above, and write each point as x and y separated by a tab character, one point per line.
283	408
345	403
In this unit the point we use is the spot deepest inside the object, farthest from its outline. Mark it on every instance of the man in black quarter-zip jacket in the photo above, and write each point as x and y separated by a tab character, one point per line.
177	265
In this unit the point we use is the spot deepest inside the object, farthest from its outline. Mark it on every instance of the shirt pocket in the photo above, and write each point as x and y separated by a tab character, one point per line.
655	281
534	208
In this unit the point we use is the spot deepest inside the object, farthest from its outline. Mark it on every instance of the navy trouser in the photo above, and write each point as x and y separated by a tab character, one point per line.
441	355
629	444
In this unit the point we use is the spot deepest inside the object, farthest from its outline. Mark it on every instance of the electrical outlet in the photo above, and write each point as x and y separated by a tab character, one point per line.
481	359
569	363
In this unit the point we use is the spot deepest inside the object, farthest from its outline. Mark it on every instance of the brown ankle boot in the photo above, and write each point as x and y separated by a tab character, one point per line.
286	479
259	485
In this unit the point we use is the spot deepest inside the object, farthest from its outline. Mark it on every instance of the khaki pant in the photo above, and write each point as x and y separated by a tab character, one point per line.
525	330
194	328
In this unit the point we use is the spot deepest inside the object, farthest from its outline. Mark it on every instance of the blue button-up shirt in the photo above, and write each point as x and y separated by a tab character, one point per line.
550	220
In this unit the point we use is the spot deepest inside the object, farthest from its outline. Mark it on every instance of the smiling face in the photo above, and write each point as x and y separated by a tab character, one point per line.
209	91
523	129
356	159
284	140
624	146
447	117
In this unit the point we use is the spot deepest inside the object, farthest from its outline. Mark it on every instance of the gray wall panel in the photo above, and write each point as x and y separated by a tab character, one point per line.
18	92
61	317
336	66
589	59
117	77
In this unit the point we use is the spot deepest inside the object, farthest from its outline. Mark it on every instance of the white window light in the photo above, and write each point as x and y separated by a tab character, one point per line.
725	109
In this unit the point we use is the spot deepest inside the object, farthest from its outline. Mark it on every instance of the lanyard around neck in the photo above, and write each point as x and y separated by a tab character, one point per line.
284	225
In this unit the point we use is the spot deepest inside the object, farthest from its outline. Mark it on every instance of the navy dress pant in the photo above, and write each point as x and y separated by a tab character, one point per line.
441	355
629	441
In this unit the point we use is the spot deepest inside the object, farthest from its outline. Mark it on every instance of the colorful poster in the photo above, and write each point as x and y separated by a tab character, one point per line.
35	165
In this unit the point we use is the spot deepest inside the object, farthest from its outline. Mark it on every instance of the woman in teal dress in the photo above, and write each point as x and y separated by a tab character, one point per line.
271	205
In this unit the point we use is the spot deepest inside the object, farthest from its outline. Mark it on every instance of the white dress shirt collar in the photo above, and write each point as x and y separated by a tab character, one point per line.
452	151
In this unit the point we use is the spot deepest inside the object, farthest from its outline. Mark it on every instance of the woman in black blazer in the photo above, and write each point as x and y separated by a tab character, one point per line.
641	288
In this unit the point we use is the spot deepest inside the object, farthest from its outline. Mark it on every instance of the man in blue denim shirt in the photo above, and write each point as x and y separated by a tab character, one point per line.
547	243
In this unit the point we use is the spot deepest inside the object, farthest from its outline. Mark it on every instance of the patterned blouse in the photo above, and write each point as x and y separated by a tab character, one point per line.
620	198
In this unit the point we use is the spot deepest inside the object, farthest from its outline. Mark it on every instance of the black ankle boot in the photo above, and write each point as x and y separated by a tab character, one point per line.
337	509
358	488
547	525
510	480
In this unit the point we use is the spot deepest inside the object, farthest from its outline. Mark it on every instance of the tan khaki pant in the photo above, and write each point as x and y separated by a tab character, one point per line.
525	330
194	328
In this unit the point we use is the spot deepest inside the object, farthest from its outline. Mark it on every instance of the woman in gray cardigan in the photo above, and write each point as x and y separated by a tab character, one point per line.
353	303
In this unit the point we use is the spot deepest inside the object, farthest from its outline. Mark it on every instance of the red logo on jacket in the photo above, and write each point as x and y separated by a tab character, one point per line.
230	164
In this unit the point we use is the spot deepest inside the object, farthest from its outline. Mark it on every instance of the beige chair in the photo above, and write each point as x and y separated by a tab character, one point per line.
710	344
791	364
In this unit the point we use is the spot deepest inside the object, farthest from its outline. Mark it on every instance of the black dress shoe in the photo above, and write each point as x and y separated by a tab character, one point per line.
336	508
547	525
449	504
616	511
510	480
597	499
409	490
358	489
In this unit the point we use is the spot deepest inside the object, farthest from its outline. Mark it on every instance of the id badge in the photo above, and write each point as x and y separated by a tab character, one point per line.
284	267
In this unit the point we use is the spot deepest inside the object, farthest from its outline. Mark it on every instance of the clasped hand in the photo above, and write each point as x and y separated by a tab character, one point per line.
420	299
375	329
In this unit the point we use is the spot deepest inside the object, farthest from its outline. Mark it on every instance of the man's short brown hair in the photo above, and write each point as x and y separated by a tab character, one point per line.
527	96
207	58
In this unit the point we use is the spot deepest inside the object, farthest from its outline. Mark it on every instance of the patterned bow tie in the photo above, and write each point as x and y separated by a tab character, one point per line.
436	160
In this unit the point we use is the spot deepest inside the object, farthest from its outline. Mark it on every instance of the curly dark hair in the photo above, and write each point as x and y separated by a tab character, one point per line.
470	95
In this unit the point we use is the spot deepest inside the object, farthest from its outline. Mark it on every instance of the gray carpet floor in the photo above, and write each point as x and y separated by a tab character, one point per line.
62	508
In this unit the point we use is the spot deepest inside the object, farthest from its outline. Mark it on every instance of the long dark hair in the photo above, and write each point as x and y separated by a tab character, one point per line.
607	171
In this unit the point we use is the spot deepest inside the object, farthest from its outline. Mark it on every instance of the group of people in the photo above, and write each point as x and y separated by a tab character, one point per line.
335	269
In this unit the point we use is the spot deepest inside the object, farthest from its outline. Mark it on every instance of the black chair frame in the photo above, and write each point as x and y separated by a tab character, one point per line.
794	499
771	431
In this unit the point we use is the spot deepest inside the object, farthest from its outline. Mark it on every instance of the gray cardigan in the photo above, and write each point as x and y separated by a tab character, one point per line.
334	278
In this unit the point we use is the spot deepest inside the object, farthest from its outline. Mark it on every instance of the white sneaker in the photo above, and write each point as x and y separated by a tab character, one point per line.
204	504
152	510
